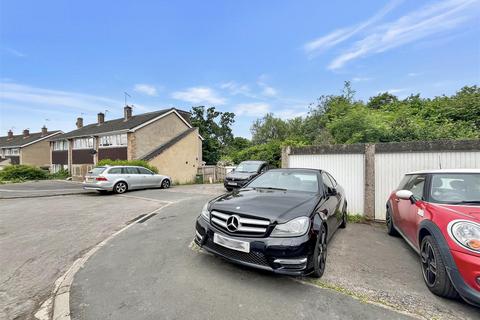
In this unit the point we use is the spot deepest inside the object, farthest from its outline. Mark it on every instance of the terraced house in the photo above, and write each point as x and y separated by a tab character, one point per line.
164	138
26	148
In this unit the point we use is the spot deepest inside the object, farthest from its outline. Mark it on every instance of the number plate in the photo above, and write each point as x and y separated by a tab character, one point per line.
232	183
231	243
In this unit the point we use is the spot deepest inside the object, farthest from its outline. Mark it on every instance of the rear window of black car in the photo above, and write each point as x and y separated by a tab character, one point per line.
247	167
289	180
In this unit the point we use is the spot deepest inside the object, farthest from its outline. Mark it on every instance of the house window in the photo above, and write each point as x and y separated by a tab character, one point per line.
83	143
12	152
60	145
115	140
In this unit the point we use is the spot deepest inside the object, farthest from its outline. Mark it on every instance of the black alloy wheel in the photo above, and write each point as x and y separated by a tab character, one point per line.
120	187
320	253
343	225
433	269
165	184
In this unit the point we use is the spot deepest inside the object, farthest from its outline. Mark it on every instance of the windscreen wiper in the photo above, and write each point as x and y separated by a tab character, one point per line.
270	188
469	201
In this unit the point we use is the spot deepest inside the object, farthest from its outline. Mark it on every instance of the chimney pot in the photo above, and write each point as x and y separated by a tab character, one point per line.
44	130
10	134
79	122
26	133
127	112
101	117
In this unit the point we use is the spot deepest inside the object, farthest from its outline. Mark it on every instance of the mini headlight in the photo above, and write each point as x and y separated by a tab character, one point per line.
465	233
205	212
292	228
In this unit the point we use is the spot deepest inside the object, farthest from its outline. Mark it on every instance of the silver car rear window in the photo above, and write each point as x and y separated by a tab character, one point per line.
97	171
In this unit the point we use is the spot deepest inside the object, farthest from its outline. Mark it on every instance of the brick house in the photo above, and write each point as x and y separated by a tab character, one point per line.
164	138
27	148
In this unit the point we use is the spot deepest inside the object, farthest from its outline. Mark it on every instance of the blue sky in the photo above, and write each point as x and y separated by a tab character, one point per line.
63	59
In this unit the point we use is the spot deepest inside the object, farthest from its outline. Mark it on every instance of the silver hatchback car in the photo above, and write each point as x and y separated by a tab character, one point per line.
119	179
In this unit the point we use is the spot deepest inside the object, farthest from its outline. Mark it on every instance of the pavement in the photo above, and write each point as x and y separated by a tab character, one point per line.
148	268
41	188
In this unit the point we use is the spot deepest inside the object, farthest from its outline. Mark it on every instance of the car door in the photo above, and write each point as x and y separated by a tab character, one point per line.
331	203
340	198
148	179
133	178
409	212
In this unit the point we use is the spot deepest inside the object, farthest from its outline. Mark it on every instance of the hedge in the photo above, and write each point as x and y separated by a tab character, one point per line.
139	163
20	172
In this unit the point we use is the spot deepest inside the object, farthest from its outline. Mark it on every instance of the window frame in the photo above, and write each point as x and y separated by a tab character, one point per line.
64	145
114	139
87	139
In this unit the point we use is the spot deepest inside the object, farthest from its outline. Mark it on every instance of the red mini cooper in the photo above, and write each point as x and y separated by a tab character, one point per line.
438	213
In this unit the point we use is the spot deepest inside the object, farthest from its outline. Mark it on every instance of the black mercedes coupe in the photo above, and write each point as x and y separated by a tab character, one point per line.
280	221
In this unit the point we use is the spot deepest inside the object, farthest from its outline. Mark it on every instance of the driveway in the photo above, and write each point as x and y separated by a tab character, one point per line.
152	271
41	188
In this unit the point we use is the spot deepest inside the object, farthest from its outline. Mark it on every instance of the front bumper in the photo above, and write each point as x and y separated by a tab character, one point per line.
464	274
291	256
238	184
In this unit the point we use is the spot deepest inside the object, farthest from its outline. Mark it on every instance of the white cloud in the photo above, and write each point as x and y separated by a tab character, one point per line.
269	91
254	109
290	113
431	19
16	53
199	95
393	90
361	79
414	74
336	37
235	88
145	89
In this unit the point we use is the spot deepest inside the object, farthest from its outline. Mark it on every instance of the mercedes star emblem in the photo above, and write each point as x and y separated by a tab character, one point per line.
233	222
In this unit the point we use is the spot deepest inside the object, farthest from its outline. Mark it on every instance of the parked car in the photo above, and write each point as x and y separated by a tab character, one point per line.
243	173
437	212
119	179
280	221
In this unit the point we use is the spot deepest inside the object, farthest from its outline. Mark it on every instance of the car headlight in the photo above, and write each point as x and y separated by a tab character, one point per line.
292	228
205	212
465	233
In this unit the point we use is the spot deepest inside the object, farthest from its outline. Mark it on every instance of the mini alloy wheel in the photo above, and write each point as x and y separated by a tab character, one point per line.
429	264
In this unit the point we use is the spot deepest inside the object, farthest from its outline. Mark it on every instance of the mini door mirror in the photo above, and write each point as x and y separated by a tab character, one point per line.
405	195
332	191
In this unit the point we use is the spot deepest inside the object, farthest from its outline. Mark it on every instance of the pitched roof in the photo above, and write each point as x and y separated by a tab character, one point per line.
119	124
19	140
155	152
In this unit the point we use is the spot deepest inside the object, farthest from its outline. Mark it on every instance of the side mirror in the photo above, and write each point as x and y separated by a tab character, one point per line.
332	191
405	195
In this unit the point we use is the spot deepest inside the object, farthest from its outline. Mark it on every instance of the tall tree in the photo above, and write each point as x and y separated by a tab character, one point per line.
215	128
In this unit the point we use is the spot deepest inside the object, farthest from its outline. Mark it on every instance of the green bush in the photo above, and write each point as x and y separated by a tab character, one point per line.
139	163
22	173
61	174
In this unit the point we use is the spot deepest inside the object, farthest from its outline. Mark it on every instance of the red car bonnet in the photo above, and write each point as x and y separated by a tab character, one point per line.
464	211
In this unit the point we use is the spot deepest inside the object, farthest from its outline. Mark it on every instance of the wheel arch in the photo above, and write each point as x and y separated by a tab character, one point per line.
122	180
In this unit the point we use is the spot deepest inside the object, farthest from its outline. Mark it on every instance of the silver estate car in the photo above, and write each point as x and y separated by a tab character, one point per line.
119	179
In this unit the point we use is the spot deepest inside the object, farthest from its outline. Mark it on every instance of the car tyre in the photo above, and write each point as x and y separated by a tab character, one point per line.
343	225
120	187
433	269
165	184
320	253
390	224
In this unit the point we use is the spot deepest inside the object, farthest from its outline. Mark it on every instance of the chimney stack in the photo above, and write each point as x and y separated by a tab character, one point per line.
101	117
10	134
79	122
127	112
26	133
44	131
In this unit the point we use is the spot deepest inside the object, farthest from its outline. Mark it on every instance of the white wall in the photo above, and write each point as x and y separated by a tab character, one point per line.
390	168
347	169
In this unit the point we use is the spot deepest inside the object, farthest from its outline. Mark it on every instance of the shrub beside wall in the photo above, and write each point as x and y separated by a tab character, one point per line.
22	173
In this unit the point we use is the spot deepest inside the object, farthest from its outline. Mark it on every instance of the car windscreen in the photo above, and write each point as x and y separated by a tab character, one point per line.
288	180
96	171
247	167
455	188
